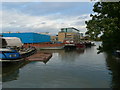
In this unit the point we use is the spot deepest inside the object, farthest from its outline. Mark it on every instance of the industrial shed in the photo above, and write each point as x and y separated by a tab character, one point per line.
29	37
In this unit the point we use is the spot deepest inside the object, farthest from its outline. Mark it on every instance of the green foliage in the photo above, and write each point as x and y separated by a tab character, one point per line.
105	22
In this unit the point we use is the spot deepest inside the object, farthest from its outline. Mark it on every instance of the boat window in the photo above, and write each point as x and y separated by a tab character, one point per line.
3	43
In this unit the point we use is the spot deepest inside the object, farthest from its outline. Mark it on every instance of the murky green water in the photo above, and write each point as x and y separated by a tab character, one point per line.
66	69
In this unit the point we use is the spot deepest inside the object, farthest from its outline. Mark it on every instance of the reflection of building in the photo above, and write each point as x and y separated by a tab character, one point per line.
69	33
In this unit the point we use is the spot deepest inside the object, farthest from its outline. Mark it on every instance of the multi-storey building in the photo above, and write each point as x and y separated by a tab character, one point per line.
71	34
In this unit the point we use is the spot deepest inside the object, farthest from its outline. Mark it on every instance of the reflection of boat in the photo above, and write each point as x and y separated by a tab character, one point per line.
11	71
80	46
80	51
11	77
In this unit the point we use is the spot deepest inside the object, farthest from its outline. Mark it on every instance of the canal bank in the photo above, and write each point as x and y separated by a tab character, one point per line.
66	69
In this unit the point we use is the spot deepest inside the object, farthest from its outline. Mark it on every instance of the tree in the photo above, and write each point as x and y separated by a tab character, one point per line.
105	22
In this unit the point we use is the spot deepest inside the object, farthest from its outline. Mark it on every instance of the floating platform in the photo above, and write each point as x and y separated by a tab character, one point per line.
40	56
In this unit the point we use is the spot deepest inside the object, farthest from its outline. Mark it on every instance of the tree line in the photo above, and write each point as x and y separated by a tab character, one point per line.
105	24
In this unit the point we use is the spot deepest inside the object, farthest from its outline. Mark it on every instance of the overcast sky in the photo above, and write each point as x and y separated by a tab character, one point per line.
44	16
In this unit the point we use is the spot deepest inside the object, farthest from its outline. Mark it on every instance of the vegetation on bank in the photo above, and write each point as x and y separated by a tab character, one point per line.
91	39
105	23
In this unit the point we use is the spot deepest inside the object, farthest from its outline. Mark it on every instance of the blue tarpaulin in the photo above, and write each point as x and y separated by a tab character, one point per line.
29	37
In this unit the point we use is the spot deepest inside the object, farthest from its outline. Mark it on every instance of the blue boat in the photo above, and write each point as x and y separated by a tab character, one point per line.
8	55
9	52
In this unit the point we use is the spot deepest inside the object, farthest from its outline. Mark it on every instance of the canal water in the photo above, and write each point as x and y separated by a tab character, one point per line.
66	69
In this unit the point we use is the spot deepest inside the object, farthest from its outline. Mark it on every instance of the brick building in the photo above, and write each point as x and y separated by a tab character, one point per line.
69	34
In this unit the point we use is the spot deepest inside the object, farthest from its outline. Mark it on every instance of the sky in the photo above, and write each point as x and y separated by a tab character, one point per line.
44	16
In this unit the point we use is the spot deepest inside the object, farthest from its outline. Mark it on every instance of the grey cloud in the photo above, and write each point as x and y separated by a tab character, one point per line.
43	22
42	17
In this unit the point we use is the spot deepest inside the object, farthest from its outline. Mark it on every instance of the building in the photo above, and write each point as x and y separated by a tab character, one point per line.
54	39
69	34
29	37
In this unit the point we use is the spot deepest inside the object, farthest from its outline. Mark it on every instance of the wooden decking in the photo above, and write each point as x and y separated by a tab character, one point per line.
40	56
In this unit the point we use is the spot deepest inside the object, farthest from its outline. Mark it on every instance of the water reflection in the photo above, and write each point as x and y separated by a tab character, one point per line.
114	66
11	71
67	68
67	54
71	55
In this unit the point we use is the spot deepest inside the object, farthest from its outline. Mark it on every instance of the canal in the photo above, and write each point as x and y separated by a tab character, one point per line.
66	69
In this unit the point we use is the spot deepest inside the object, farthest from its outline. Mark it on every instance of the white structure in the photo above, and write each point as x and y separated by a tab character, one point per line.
13	41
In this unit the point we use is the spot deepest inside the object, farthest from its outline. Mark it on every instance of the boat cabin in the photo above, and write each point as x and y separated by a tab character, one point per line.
13	41
3	43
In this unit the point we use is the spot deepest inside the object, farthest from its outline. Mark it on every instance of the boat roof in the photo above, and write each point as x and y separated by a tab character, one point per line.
3	43
13	41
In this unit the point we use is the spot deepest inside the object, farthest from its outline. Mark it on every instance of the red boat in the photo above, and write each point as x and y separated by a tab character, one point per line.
80	46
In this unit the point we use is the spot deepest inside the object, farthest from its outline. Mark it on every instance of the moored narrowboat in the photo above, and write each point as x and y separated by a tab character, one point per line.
8	55
12	50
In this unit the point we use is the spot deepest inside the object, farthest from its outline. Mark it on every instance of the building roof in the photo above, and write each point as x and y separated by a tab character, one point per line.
71	28
29	37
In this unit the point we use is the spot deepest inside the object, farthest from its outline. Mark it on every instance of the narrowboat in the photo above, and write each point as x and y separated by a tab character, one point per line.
8	55
12	50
